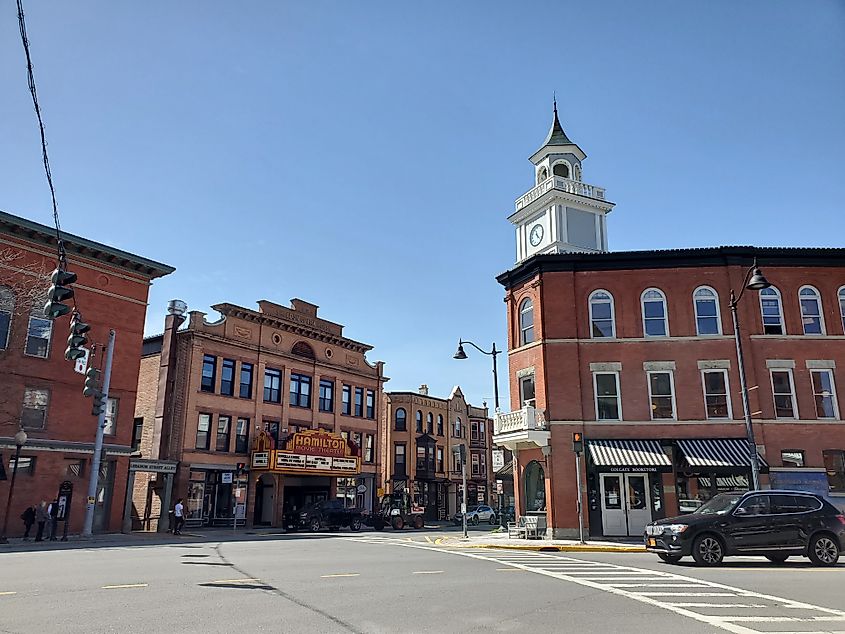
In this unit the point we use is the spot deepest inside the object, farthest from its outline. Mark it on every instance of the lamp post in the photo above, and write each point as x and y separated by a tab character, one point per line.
754	281
460	354
20	441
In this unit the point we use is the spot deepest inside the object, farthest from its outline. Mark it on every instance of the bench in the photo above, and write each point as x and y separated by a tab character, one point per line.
528	527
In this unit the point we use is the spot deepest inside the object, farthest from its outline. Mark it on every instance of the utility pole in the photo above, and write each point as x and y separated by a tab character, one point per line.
88	527
578	447
464	483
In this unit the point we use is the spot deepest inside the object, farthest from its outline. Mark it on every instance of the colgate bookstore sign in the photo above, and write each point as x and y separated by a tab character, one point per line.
312	452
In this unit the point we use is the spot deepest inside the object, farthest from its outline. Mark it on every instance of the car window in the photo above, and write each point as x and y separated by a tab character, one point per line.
806	503
756	505
781	504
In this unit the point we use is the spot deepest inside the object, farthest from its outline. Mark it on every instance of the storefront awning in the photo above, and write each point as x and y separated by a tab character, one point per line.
627	453
717	453
505	472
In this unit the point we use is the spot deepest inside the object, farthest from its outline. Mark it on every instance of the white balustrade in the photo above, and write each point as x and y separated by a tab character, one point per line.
525	419
563	184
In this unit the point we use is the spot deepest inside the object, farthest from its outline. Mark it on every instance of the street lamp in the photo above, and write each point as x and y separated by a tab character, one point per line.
754	281
20	441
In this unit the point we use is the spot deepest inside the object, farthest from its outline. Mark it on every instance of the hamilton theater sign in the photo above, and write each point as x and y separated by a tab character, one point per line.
311	452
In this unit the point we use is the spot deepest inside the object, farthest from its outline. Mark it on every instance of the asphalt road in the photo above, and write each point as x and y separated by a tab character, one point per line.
389	582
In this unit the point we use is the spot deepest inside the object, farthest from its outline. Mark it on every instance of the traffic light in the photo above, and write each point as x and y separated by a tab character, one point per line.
92	382
577	442
99	404
77	338
59	292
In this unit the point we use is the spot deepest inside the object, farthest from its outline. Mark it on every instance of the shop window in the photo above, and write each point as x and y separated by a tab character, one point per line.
242	436
834	464
369	452
661	395
526	391
440	424
209	373
227	377
300	390
608	399
824	392
359	402
203	431
535	487
346	400
602	322
326	395
223	431
110	424
38	334
246	381
772	311
811	310
419	422
371	404
7	307
34	410
655	320
716	400
783	391
137	433
400	418
26	465
272	385
707	318
526	322
792	457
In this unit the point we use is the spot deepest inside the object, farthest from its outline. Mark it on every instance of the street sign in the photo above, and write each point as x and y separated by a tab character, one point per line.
463	508
500	487
63	499
498	459
91	499
226	477
81	364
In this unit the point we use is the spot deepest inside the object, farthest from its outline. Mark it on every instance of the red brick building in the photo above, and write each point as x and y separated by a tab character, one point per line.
42	393
636	351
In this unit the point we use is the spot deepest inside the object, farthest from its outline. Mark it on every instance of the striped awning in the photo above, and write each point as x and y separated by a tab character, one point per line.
506	471
627	453
717	452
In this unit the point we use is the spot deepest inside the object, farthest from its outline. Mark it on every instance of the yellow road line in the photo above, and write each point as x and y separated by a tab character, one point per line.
428	539
6	594
427	572
126	585
340	574
233	580
438	541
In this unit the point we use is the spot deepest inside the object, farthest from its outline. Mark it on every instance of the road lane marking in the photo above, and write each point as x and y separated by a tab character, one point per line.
428	539
232	580
783	619
722	605
125	585
6	594
427	572
509	570
341	574
654	585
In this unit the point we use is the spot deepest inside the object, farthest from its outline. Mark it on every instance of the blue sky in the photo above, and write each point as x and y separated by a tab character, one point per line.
364	156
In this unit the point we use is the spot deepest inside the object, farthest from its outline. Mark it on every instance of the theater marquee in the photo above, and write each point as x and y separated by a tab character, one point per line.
311	452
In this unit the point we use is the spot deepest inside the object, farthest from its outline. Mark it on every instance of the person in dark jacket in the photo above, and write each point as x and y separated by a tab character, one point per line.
28	517
41	518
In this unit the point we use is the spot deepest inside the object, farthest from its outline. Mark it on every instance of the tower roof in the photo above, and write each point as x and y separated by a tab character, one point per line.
556	134
556	139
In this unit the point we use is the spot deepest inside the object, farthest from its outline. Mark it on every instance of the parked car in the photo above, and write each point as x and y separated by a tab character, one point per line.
773	524
330	514
477	514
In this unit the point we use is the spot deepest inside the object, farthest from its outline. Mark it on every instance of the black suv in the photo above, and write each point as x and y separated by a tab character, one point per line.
775	524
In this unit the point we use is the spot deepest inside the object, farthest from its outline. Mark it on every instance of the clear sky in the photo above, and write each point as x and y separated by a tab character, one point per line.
364	156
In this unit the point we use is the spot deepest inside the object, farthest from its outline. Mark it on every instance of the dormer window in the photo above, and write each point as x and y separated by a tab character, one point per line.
542	175
561	169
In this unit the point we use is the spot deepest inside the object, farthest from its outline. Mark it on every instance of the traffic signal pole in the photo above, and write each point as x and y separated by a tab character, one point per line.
88	527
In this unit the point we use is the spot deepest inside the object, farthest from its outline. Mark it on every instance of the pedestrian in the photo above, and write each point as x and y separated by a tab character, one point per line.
53	512
41	518
179	515
28	517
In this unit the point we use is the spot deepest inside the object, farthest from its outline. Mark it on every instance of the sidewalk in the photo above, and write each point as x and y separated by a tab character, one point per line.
495	539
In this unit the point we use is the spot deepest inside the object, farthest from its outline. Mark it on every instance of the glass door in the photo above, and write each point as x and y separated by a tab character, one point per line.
613	516
637	502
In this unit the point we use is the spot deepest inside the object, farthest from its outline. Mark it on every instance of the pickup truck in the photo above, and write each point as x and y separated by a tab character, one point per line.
328	514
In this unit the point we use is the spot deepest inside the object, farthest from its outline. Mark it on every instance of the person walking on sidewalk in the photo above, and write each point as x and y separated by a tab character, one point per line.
53	512
28	517
179	517
41	518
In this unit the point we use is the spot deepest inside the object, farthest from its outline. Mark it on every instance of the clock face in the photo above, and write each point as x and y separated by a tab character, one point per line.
536	235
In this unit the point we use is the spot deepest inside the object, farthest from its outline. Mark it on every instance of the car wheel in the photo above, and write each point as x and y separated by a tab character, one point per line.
398	523
475	520
314	525
823	550
669	559
493	521
777	559
378	525
419	522
355	525
707	550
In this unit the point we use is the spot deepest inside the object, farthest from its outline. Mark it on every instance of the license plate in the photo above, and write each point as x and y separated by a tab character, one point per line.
651	542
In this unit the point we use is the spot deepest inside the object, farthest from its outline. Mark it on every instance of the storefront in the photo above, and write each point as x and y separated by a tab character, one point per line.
215	495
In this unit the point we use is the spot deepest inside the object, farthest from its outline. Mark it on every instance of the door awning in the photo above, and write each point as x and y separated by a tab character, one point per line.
627	453
718	453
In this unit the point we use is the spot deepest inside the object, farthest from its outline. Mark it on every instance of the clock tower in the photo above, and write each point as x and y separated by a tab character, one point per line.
561	213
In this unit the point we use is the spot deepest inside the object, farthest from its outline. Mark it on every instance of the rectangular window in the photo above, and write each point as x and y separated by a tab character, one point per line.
399	460
246	380
783	391
209	373
473	430
242	436
223	430
476	464
526	391
369	452
137	433
371	404
661	395
457	429
326	395
227	377
420	458
34	411
7	306
38	336
359	401
440	460
608	401
824	392
834	464
792	457
300	390
110	425
483	464
26	465
440	424
346	400
716	401
272	427
272	385
203	431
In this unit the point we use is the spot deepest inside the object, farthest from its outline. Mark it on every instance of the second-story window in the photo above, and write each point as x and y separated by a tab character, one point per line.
655	320
811	311
716	401
38	335
399	460
526	391
473	430
227	377
841	306
209	373
246	381
300	390
824	392
359	401
7	307
272	385
400	420
707	319
346	400
419	422
608	400
34	408
440	424
369	444
661	395
772	311
526	322
224	424
602	322
783	391
371	404
440	460
242	436
326	395
203	431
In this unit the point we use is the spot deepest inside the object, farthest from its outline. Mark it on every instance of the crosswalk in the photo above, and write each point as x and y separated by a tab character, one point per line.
725	607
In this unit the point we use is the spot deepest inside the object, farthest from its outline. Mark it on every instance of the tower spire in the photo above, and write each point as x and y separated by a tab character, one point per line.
556	134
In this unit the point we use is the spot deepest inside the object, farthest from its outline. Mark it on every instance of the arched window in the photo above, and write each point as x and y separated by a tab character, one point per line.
707	319
602	322
535	487
655	317
772	311
400	419
302	349
440	424
458	432
542	175
429	423
561	169
419	422
526	322
7	307
811	310
842	306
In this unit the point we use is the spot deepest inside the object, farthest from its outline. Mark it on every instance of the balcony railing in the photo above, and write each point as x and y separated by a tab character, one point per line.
562	184
525	419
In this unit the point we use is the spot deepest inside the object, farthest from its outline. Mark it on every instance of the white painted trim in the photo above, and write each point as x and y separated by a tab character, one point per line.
529	371
795	414
780	309
780	364
568	166
714	364
833	394
718	310
840	295
671	389
608	366
657	366
618	393
820	305
665	312
519	312
726	374
821	364
612	312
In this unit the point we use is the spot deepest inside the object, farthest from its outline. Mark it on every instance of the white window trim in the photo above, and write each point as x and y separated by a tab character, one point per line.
4	345
718	311
671	388
568	165
780	311
612	313
821	311
520	311
665	313
792	395
840	297
727	393
832	394
618	396
26	338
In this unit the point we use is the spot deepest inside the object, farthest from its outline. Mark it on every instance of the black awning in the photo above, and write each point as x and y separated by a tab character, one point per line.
628	453
717	453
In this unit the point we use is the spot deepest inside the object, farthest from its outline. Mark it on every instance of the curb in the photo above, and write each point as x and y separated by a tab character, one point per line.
566	548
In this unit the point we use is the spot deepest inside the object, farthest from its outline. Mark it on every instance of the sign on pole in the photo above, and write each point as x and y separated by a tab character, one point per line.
226	477
81	365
